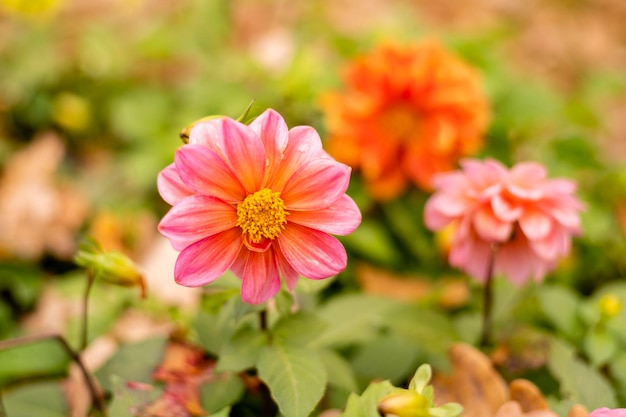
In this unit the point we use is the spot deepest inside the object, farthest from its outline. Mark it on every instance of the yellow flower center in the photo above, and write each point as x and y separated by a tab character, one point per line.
262	215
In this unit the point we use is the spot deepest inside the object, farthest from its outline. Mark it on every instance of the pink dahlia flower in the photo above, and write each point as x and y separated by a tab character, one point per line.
607	412
518	216
260	200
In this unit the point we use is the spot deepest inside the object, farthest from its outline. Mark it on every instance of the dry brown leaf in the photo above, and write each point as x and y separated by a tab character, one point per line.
52	314
128	232
513	409
158	264
385	283
184	369
474	383
578	410
38	213
449	293
527	395
134	326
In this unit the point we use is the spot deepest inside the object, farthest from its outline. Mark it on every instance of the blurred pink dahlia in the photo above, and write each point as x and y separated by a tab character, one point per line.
260	200
518	216
607	412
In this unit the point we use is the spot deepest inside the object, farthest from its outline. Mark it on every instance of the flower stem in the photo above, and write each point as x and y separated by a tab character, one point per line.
96	397
3	412
485	339
263	320
85	321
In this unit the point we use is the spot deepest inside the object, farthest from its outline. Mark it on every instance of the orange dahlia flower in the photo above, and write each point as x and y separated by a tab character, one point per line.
406	114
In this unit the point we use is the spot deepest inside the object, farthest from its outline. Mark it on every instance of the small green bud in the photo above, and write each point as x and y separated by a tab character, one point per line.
113	267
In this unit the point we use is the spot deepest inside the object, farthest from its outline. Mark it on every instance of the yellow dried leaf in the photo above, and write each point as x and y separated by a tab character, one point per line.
527	395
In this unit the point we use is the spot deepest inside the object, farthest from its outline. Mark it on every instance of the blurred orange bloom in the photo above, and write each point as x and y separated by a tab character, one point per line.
406	114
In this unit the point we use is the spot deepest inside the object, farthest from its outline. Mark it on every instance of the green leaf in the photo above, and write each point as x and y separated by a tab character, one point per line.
299	328
43	399
560	305
617	369
124	399
372	240
579	381
424	330
352	318
386	357
421	378
242	351
295	377
339	371
366	405
223	391
447	410
600	346
133	362
224	412
45	358
215	329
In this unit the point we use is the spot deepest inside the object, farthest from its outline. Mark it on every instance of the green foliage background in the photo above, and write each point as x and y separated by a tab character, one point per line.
117	84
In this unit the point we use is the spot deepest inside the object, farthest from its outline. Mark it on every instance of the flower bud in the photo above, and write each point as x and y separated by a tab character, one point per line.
405	403
113	267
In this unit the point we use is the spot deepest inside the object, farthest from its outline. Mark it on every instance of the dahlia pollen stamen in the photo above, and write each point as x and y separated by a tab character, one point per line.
262	215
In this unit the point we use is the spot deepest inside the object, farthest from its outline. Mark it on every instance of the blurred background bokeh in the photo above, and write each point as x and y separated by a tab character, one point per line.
94	93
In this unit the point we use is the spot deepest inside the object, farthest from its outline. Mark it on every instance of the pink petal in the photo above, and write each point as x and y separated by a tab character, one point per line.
553	246
206	260
450	181
535	224
239	265
195	218
340	218
304	145
608	412
291	275
171	186
564	210
505	209
558	186
472	256
451	204
434	218
529	174
316	185
490	228
244	150
525	193
518	262
273	131
261	280
209	134
526	180
481	174
206	173
515	262
314	254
